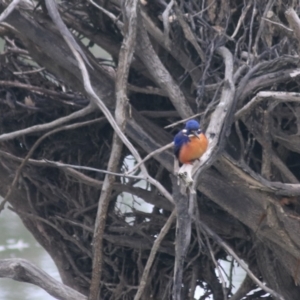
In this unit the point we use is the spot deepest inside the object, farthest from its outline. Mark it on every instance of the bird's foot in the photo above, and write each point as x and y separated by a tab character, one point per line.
185	174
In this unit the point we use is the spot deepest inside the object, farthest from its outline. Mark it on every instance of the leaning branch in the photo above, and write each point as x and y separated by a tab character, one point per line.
22	270
159	73
125	58
9	9
63	29
294	22
179	55
93	96
153	153
219	121
37	128
188	32
152	255
205	228
257	182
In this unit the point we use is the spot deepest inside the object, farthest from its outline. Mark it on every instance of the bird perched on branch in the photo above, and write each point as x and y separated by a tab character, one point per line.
190	144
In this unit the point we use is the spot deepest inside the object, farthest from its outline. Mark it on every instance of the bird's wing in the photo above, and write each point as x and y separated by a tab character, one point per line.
179	140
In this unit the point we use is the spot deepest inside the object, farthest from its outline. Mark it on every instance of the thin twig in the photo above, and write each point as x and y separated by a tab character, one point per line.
59	229
184	120
278	24
29	154
241	19
29	72
37	128
35	89
181	57
63	166
217	267
109	14
241	262
153	153
152	255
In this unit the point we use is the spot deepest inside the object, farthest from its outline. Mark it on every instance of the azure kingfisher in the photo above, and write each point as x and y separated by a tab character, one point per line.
190	143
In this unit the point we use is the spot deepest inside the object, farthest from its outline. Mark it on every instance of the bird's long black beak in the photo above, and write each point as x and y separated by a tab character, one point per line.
195	133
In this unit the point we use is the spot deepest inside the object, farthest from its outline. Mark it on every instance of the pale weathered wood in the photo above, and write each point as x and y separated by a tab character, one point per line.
24	271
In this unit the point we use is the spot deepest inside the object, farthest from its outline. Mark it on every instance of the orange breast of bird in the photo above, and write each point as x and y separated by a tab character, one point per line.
193	149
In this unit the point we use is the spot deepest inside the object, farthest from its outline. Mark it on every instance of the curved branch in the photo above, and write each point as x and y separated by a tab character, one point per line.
265	80
29	154
219	121
279	96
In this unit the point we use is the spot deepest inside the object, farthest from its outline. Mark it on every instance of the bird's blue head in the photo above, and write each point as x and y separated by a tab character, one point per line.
192	125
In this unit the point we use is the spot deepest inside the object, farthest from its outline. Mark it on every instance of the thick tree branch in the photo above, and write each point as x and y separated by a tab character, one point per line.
184	208
22	270
9	9
172	48
188	32
159	73
294	23
63	29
